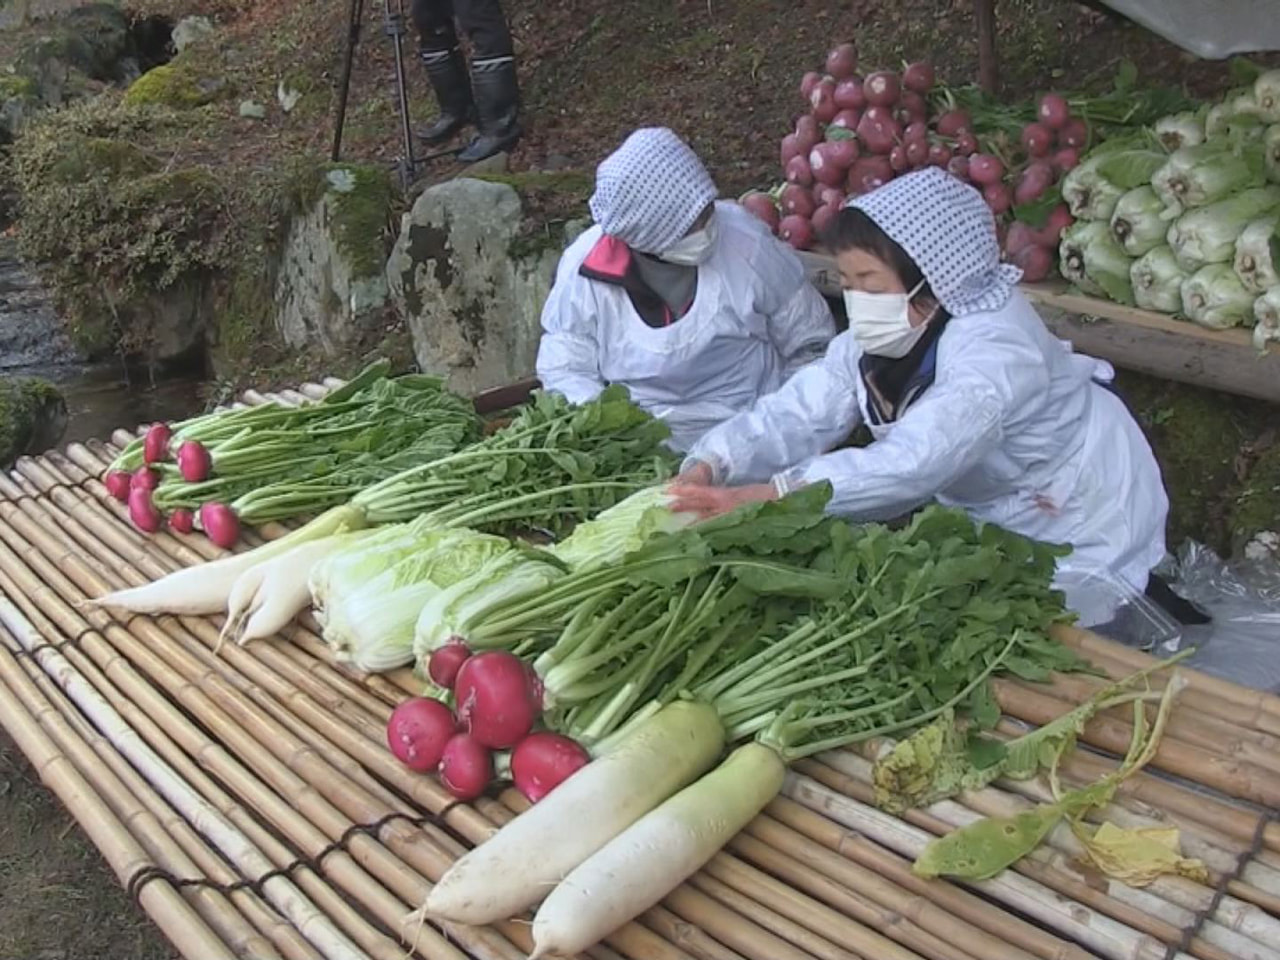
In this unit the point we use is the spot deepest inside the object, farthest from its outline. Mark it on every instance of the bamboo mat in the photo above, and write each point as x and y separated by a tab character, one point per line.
249	805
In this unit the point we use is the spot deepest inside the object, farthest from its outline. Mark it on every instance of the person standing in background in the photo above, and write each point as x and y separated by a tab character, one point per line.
491	96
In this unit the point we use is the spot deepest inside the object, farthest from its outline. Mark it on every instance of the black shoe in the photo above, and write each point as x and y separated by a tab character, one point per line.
497	99
447	72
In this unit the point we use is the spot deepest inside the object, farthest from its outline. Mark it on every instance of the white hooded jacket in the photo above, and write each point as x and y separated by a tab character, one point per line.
754	319
1015	429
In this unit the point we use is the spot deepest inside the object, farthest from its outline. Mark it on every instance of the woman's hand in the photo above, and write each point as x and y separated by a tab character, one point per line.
708	502
698	475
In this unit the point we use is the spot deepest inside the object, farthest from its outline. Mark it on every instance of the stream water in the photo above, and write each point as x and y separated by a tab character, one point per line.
100	396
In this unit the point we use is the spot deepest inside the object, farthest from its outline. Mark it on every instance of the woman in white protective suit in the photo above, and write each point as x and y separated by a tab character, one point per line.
689	303
969	398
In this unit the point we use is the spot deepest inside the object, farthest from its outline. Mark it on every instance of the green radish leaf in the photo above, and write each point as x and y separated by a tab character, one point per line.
1243	71
1126	76
982	708
1131	168
1036	212
985	753
983	849
834	133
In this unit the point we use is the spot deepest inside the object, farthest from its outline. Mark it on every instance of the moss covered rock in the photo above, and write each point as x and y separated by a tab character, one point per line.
175	85
33	417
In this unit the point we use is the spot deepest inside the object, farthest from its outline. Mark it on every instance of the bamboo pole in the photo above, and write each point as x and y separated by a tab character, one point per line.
866	857
286	897
1231	777
690	937
83	574
141	822
885	908
176	919
1142	910
756	866
1087	927
344	867
1264	708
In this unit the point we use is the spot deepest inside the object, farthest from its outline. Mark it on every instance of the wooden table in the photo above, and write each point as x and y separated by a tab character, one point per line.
1134	339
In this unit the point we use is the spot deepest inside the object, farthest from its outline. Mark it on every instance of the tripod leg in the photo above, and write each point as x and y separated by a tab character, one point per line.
355	16
395	21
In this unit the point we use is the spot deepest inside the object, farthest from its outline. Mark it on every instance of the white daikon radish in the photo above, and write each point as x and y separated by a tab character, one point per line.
270	594
657	853
518	865
206	588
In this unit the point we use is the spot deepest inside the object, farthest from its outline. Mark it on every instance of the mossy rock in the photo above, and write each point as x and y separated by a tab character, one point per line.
92	39
174	85
15	86
360	199
550	200
97	157
33	417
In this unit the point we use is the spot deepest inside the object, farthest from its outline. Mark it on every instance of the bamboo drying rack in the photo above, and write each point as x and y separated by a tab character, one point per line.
249	805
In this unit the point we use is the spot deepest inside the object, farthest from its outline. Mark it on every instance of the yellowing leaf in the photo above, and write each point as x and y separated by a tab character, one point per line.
1138	856
985	847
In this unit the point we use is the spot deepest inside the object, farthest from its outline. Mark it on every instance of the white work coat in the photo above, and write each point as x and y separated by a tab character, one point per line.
754	321
1014	430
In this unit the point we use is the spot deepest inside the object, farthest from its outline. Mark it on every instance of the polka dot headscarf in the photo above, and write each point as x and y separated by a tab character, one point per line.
947	229
651	190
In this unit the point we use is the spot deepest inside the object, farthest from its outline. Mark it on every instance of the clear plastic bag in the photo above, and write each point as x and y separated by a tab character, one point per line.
1111	608
1242	644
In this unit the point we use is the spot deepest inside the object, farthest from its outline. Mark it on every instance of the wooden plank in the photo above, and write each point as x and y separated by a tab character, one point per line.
1133	339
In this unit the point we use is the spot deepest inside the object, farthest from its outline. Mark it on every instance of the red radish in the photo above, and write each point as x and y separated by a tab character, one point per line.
849	94
917	152
951	123
797	231
898	158
878	130
1058	220
869	173
182	520
144	478
939	154
155	445
220	524
143	512
912	107
882	88
916	131
1033	182
1066	159
790	149
496	697
822	101
1074	134
826	170
194	462
542	761
966	144
822	218
843	152
996	195
466	767
1035	262
918	77
1037	140
762	205
847	119
842	61
796	200
445	662
985	168
959	167
798	172
1053	111
417	732
827	197
808	133
1020	235
808	82
118	483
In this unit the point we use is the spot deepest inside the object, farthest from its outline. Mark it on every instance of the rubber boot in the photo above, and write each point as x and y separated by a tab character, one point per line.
497	98
447	72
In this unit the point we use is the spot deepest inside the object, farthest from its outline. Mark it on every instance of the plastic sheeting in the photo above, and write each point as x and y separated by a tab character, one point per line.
1212	29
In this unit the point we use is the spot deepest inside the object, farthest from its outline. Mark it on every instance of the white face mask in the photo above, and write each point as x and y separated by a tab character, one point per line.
691	250
881	322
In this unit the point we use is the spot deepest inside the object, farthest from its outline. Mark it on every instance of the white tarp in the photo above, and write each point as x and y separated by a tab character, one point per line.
1212	29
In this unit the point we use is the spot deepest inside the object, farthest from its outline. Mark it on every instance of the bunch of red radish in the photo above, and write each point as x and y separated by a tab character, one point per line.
499	699
194	464
861	132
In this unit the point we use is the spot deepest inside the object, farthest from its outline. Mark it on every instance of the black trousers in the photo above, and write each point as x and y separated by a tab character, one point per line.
481	20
